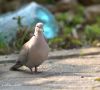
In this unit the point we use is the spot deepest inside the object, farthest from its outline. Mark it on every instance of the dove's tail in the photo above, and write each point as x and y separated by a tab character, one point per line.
16	66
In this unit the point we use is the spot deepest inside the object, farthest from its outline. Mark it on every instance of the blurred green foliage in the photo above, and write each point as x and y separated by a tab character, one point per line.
46	1
4	49
67	21
22	36
88	35
92	34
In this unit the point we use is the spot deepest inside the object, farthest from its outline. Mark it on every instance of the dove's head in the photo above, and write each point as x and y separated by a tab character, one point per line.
39	27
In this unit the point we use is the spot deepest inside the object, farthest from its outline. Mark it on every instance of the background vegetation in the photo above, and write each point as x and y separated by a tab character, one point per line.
75	30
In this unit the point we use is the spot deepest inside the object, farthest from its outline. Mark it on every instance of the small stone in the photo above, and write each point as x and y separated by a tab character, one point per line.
82	76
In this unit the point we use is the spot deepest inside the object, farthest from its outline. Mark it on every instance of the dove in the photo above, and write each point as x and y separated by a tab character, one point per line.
34	52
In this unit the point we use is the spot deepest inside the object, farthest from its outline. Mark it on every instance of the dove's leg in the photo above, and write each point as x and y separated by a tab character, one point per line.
35	69
31	70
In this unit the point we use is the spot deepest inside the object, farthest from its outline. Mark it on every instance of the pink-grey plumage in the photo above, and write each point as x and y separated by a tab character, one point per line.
34	52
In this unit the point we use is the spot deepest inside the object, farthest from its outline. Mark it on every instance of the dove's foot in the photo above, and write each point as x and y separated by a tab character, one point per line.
31	70
35	69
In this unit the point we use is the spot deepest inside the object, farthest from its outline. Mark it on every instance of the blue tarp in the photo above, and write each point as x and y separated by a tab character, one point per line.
31	13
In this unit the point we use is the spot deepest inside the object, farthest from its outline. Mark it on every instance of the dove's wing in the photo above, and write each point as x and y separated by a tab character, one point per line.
23	54
22	59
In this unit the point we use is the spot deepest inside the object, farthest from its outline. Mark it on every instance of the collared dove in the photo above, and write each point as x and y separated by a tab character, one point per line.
33	52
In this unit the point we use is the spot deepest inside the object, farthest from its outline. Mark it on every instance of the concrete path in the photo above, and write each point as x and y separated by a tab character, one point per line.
56	54
71	73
